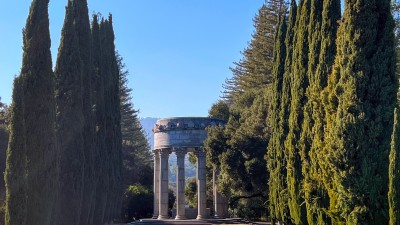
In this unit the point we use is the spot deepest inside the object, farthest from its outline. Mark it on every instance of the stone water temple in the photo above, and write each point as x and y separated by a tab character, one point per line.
182	135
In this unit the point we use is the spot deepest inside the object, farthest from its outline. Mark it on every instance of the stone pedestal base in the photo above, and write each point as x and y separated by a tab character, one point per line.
180	218
163	217
199	217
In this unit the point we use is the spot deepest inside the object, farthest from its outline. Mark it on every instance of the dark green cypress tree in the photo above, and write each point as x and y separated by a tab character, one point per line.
359	102
83	33
15	174
275	155
394	173
101	152
108	74
306	136
113	137
299	83
70	122
284	115
317	198
39	115
117	140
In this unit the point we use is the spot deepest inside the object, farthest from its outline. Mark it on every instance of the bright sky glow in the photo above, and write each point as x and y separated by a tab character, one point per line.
178	52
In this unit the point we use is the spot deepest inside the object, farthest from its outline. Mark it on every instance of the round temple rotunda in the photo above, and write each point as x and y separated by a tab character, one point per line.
182	135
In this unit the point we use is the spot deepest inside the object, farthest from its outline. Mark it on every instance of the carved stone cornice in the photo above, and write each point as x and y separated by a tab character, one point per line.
186	123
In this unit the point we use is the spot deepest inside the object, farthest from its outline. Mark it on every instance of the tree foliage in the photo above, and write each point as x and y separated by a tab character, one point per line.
64	161
325	16
191	193
275	155
4	137
254	69
109	187
84	37
137	193
359	102
394	173
239	148
32	153
15	174
137	158
299	83
70	121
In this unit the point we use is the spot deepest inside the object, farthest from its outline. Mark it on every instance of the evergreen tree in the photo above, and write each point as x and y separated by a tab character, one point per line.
243	168
275	155
394	181
39	116
359	102
219	110
102	176
4	137
15	175
284	214
254	70
137	158
299	83
83	33
317	199
112	121
306	136
4	114
70	122
215	143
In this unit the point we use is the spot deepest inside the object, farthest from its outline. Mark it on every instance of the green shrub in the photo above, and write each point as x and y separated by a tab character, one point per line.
137	202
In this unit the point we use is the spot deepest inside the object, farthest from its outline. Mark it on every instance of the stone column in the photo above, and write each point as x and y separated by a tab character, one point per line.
201	184
220	201
156	183
180	184
163	195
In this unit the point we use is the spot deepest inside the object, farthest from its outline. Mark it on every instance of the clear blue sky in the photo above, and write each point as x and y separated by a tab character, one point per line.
178	52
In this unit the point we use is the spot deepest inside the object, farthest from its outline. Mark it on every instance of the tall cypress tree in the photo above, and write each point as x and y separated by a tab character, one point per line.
83	33
306	136
108	74
115	124
394	173
275	156
39	115
299	83
15	174
112	160
101	154
360	101
313	194
317	198
70	122
284	115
